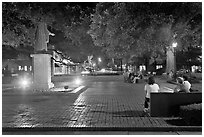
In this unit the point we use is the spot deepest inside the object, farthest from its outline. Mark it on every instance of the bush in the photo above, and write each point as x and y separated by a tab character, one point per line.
160	71
192	114
194	80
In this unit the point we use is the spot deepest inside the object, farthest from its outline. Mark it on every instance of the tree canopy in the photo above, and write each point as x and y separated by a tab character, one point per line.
131	31
69	20
138	29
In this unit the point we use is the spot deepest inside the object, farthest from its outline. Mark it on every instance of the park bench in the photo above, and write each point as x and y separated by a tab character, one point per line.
164	104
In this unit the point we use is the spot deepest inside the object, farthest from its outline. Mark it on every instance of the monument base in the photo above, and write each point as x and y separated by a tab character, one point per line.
43	86
42	72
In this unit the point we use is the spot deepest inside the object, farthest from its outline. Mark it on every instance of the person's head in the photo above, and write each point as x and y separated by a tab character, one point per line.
185	78
151	80
179	80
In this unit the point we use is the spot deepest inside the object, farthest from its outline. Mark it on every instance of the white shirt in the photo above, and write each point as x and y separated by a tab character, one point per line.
151	88
187	86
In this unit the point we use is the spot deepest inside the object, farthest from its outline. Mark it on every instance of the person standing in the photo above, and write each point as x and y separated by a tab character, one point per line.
151	86
125	75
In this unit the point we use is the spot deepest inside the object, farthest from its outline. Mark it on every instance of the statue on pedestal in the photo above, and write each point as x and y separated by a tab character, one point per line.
41	59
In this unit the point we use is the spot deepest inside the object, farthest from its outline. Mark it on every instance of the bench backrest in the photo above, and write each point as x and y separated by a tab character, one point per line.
167	104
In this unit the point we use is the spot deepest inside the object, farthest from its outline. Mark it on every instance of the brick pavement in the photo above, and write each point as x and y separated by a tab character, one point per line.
105	105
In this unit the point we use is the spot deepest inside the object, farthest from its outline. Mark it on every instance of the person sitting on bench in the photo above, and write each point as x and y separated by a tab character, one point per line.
186	83
137	77
181	87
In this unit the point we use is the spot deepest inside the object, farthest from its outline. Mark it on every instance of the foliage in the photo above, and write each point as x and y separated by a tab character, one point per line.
15	28
131	31
192	114
20	21
191	56
145	29
80	40
109	29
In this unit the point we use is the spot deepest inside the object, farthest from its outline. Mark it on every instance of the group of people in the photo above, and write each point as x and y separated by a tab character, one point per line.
183	85
132	77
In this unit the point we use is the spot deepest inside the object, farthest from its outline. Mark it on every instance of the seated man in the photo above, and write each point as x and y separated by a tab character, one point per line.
136	78
186	84
181	87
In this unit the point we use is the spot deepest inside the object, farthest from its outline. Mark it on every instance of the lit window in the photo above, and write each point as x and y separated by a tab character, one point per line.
142	67
30	68
19	67
25	68
158	66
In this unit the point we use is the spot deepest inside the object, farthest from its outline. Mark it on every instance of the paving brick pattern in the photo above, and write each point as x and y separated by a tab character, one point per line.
106	103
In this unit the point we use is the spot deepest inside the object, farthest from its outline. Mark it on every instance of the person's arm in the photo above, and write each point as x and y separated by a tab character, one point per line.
177	88
145	89
158	87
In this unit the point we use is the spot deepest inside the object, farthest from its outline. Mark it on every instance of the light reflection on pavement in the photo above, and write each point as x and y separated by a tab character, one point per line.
24	116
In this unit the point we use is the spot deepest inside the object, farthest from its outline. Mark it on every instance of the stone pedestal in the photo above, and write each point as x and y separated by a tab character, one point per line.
170	64
42	72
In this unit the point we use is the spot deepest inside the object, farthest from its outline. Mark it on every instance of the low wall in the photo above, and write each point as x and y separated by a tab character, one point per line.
167	104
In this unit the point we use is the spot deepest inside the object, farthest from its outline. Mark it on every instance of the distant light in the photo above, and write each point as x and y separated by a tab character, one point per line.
77	81
103	70
24	83
174	44
99	59
85	72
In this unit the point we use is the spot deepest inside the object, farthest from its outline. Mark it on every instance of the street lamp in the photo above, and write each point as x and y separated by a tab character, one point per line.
174	45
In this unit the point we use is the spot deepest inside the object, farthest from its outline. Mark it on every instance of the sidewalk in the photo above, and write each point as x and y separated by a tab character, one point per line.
104	106
164	85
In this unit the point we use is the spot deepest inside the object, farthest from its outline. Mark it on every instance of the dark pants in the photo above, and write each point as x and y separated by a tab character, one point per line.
146	104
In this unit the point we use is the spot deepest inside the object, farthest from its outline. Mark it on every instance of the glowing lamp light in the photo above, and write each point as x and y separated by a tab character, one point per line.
77	81
174	44
24	83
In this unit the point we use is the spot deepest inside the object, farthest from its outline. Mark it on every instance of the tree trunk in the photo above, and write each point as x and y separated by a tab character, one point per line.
155	65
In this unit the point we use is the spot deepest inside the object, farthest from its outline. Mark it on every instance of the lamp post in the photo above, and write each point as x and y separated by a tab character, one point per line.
174	45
